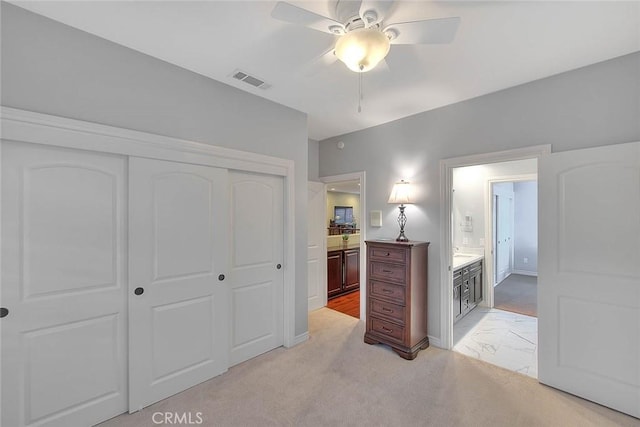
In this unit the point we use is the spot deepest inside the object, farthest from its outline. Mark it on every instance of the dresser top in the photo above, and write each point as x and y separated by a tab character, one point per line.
393	242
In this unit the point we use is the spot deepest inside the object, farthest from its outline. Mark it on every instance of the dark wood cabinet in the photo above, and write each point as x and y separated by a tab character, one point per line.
467	289
397	296
351	262
334	273
343	271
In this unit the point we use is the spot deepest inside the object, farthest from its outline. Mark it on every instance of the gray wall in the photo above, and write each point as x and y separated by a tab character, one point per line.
470	197
51	68
588	107
314	160
525	218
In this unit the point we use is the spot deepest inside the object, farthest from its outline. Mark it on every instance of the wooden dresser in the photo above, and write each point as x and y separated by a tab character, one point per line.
397	296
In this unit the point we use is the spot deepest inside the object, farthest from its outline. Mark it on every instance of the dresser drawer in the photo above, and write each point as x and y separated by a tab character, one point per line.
386	309
388	329
384	271
387	290
387	254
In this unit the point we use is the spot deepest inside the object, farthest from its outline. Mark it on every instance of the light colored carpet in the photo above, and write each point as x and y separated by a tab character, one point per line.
517	293
335	379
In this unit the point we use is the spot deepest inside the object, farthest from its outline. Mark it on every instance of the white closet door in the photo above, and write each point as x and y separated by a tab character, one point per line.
64	339
589	274
316	252
178	297
257	270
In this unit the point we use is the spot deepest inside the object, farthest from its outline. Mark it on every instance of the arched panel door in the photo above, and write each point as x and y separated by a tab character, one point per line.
178	293
256	264
64	317
589	274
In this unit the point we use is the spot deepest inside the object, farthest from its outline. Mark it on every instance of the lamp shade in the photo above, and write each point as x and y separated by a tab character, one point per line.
401	193
362	49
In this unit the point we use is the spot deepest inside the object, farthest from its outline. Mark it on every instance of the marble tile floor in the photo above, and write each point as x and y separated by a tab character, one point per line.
502	338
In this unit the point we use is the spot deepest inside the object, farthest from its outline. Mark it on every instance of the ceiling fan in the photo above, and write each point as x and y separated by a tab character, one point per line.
364	36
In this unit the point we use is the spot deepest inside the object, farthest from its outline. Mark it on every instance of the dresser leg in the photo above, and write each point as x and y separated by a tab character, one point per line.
406	355
370	340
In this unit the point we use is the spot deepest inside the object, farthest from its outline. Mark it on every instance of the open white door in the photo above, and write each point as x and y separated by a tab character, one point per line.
178	298
316	240
589	274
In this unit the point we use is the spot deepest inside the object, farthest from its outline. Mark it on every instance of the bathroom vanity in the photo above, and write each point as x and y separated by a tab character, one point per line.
467	283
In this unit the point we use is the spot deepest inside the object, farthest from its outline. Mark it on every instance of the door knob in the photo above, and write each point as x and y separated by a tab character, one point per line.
279	266
4	312
221	277
138	291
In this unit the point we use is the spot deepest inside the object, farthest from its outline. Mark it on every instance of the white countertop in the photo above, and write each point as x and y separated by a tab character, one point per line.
463	259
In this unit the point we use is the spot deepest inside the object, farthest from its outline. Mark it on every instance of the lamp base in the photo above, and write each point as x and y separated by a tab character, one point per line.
402	238
402	220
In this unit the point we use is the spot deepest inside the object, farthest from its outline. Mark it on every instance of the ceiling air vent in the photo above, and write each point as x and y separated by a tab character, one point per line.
249	79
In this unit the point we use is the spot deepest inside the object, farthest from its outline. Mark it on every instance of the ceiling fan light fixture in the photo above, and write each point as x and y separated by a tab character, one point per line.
362	49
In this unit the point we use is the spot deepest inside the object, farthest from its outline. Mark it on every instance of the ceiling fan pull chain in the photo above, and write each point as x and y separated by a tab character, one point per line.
360	91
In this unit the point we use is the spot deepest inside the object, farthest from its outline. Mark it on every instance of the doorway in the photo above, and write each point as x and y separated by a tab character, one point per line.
344	229
343	247
515	243
483	251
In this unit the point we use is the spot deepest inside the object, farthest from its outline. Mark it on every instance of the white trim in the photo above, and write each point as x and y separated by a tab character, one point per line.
299	339
435	342
446	182
525	273
361	176
488	275
37	128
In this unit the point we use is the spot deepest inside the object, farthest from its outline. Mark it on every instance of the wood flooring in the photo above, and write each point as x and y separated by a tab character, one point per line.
347	304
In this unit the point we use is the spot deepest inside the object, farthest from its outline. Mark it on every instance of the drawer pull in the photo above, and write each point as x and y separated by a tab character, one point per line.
387	291
387	254
388	310
387	329
387	271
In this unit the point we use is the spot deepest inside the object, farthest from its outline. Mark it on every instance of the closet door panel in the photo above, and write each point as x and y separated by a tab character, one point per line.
178	295
257	270
64	348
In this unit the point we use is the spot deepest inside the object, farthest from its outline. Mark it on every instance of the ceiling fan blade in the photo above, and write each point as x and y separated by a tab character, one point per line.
430	31
319	63
327	58
296	15
374	11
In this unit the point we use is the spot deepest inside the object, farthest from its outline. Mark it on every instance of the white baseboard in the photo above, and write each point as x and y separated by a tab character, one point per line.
525	273
435	342
299	339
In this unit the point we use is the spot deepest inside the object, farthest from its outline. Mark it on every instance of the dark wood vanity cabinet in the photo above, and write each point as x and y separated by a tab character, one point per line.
343	271
397	296
467	289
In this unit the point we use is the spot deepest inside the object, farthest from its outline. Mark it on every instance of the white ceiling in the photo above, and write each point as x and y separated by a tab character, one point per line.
498	45
352	187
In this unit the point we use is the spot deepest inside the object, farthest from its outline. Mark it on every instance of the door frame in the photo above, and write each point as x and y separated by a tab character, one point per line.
37	128
446	226
489	228
361	177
